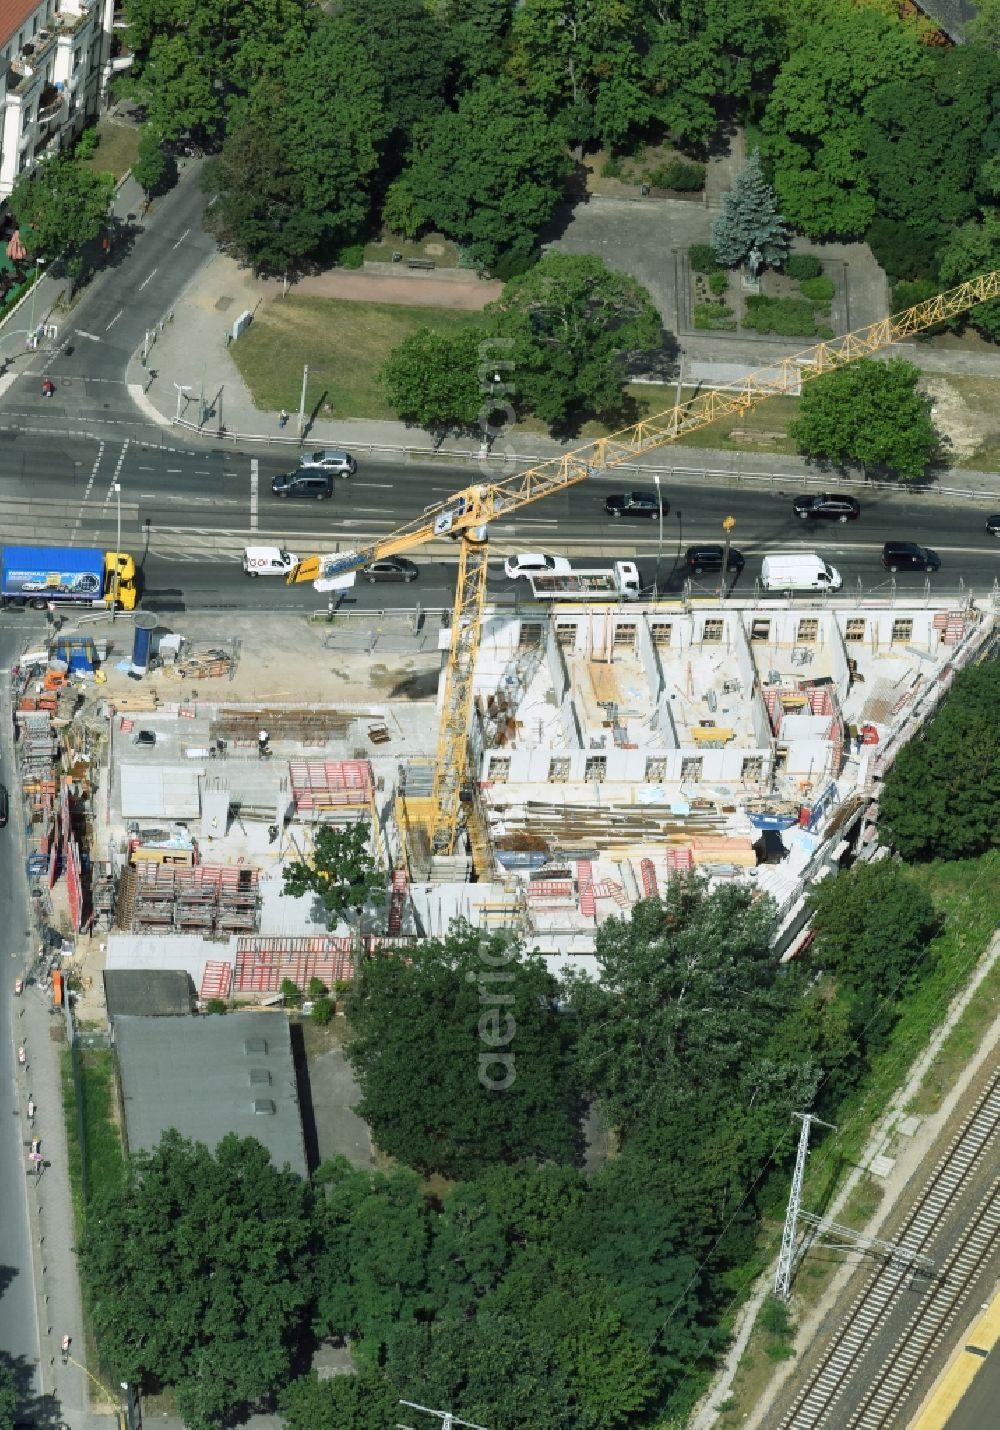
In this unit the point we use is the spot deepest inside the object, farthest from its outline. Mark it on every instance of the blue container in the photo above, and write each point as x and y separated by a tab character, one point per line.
141	642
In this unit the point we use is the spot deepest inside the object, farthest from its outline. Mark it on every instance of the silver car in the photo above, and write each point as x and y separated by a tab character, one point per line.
342	464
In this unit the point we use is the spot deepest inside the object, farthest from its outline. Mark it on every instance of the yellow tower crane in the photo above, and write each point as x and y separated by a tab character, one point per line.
468	513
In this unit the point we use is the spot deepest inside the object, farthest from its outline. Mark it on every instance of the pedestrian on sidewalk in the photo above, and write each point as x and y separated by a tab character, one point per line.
262	739
282	419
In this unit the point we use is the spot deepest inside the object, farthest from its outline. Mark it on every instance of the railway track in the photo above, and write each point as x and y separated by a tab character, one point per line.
943	1292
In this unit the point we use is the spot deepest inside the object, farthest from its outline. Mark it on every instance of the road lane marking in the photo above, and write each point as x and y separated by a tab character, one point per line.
254	493
181	239
146	280
114	320
91	336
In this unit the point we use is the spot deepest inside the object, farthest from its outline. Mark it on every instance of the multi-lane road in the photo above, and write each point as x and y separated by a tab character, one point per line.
187	514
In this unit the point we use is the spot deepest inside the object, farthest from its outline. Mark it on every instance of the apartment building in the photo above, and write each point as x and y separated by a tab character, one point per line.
56	62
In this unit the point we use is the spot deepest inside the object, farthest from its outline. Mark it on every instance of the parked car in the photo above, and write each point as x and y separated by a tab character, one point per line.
303	483
908	556
709	558
993	525
826	507
390	568
4	806
533	563
327	459
636	504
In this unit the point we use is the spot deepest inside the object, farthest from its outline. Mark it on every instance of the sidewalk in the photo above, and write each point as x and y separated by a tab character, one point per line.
63	1390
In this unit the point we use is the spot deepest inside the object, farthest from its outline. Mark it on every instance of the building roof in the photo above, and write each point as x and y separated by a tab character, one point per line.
208	1077
13	14
951	15
150	993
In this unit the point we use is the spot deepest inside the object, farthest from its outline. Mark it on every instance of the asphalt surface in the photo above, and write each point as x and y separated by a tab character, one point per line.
186	515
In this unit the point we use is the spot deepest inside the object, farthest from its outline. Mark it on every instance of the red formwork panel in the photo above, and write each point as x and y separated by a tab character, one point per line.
216	979
262	964
322	784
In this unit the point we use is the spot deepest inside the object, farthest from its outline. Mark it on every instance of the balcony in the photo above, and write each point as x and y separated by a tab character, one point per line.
50	102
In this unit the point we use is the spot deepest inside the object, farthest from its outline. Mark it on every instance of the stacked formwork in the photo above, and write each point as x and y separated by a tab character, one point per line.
263	964
210	899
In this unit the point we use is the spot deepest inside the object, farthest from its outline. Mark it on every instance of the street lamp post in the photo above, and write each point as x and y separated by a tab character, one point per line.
659	540
728	523
118	544
39	265
181	387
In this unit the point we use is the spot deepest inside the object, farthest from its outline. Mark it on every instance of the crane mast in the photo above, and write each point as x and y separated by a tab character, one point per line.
468	513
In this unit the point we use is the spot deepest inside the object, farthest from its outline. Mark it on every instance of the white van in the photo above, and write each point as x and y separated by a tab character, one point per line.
802	572
268	561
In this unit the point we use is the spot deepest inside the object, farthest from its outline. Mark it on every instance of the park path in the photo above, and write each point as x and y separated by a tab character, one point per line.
415	290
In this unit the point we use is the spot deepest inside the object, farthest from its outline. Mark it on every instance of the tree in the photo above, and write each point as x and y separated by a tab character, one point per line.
578	60
942	791
922	140
705	58
874	925
150	165
8	1398
572	324
750	219
341	871
974	248
192	61
688	989
296	174
197	1274
868	412
984	26
478	32
346	1402
372	1269
478	1019
407	45
813	130
60	206
491	173
433	380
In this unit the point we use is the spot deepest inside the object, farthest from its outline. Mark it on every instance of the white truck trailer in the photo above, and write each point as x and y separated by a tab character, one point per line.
619	584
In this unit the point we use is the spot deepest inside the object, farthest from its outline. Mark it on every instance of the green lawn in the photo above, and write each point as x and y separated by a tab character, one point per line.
116	150
344	344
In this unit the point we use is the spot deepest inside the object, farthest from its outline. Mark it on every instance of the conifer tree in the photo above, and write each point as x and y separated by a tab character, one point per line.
750	219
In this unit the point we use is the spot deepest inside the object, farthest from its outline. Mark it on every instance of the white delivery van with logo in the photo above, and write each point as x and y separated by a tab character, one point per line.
804	571
268	561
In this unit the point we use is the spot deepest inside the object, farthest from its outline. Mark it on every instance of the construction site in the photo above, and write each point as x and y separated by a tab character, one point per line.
611	749
537	771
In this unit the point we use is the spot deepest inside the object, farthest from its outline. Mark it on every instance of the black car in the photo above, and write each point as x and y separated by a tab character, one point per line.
993	525
4	805
389	568
908	556
636	504
709	558
306	482
826	507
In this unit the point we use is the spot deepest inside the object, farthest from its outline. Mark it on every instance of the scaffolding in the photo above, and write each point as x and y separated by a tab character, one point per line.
213	900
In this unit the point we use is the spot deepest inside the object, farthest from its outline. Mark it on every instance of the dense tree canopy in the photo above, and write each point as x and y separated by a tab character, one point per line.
60	206
197	1274
462	1057
572	323
942	792
490	173
813	130
295	176
868	412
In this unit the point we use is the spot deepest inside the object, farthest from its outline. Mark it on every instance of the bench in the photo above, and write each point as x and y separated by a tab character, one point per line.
425	263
